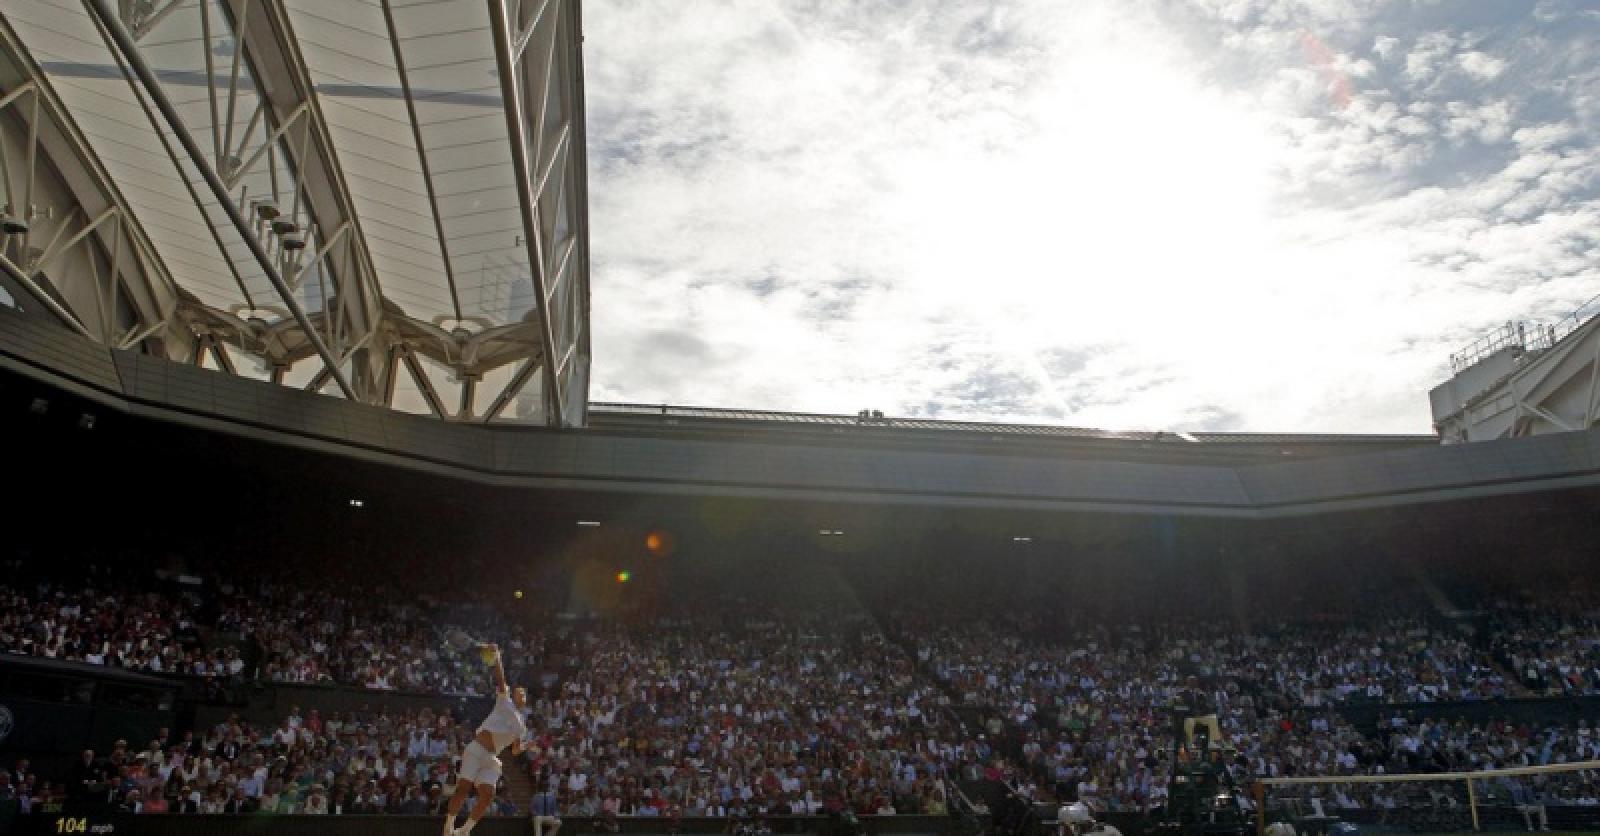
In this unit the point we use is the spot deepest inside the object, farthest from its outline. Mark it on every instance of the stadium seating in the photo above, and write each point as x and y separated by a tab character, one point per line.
736	708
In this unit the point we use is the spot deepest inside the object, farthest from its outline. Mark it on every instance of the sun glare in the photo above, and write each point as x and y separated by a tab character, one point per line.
1138	211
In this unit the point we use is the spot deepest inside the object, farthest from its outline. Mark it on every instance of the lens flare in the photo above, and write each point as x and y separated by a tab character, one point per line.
659	543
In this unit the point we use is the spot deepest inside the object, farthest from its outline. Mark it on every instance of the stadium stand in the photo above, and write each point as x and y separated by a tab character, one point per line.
727	706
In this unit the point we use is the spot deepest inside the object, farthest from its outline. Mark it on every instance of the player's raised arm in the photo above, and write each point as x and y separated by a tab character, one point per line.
499	670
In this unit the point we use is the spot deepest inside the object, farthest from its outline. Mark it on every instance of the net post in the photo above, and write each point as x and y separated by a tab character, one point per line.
1472	804
1259	790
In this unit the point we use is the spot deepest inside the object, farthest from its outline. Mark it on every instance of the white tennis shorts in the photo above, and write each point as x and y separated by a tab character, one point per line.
479	766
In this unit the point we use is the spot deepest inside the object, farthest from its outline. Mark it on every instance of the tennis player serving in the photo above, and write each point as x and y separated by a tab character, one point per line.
480	761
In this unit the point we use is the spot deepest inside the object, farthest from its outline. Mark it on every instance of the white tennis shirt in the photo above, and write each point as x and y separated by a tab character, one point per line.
504	724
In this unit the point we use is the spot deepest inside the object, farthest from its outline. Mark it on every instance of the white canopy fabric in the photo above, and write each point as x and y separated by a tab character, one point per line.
368	143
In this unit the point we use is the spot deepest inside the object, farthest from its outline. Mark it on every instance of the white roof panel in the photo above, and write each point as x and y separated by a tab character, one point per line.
398	125
449	61
63	40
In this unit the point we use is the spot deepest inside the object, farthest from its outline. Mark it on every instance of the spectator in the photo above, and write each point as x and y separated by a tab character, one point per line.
414	804
132	802
316	803
240	803
546	817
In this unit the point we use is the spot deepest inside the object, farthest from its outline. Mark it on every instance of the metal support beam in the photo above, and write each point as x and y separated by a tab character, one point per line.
318	380
102	309
555	157
533	26
424	385
44	298
220	354
272	139
358	280
21	90
544	93
561	266
144	27
512	388
5	163
1548	416
469	388
55	238
33	165
391	370
137	335
350	351
1591	413
327	245
172	154
211	79
516	129
567	358
103	11
114	280
91	297
52	252
233	80
422	157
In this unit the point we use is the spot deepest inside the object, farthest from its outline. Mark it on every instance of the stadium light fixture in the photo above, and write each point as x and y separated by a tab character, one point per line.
588	523
831	532
1021	539
358	503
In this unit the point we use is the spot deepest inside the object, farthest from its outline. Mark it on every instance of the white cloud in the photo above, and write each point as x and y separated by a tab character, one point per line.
1292	12
1543	136
1026	211
1480	65
1487	123
1427	55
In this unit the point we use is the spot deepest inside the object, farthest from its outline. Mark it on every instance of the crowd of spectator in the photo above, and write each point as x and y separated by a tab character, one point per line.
265	631
373	637
746	713
1094	702
754	709
1403	744
365	762
23	785
1550	644
111	625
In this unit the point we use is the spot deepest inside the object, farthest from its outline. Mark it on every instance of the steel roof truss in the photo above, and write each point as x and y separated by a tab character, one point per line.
513	78
131	54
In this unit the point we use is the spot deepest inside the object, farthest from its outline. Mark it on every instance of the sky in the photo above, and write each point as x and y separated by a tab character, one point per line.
1223	215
